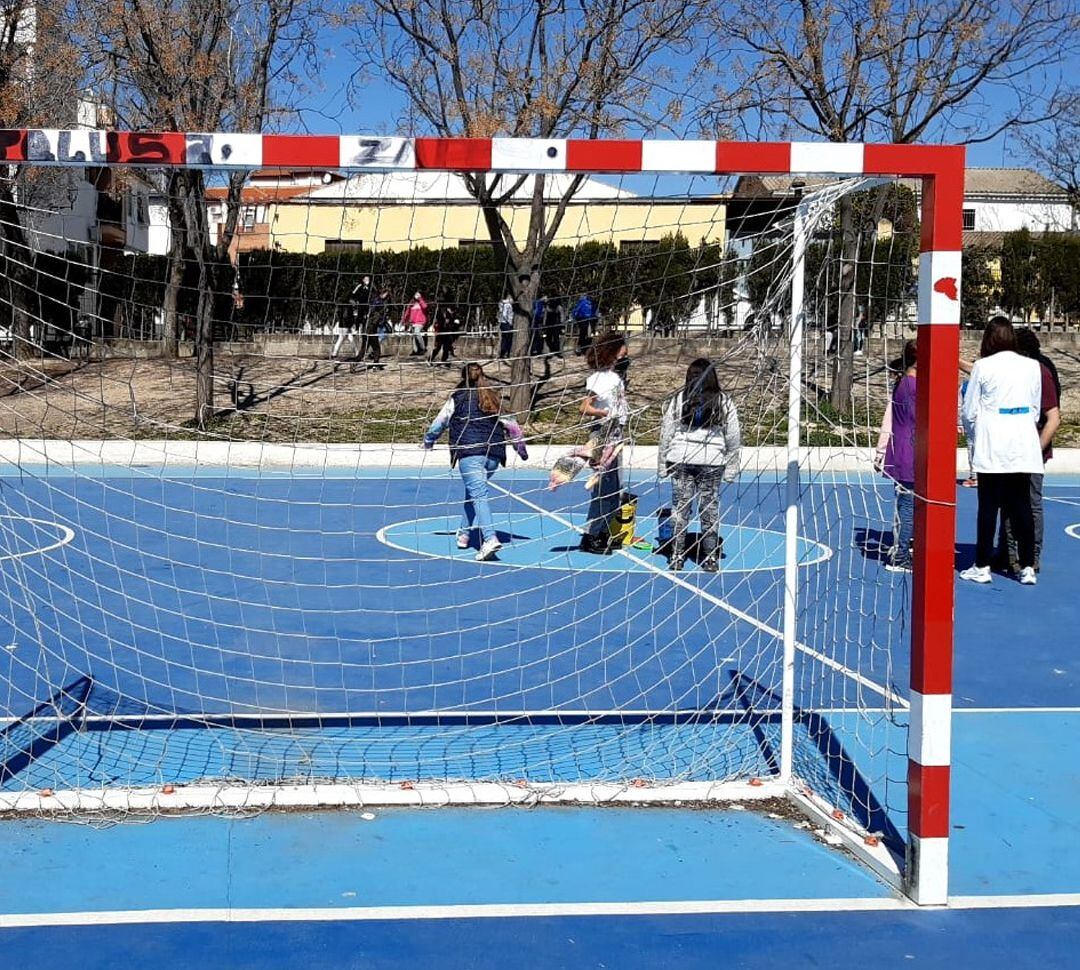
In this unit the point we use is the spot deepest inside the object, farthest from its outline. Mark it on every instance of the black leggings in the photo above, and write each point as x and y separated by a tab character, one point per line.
1009	494
444	343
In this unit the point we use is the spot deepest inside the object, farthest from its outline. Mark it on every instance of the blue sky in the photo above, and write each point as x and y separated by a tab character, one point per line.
377	107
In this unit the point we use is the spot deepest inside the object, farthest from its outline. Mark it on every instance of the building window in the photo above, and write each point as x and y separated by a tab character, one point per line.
969	219
632	245
344	245
467	243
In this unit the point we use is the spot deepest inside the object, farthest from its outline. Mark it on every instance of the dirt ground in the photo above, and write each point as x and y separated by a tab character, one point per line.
311	398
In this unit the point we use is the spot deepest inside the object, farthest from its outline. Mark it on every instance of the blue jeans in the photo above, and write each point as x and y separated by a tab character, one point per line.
475	472
904	523
604	501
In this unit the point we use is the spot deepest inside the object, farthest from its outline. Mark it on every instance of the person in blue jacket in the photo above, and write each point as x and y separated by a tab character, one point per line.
584	314
478	437
536	326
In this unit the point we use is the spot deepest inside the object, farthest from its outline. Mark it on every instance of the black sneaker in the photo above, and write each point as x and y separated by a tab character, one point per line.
595	545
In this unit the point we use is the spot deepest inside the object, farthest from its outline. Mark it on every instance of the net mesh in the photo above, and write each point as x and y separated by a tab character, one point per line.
259	583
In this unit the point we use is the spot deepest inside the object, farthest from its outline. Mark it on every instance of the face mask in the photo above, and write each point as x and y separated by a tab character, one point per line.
622	365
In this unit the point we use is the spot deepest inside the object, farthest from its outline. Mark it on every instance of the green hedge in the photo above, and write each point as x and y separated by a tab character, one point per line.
283	290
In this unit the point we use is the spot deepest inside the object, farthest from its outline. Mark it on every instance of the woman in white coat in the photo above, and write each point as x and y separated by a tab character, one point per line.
1002	403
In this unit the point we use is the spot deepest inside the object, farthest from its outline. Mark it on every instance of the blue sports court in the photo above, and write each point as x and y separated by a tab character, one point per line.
322	601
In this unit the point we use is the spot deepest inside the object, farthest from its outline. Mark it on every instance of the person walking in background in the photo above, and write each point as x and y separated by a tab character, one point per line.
860	331
505	318
584	314
446	325
415	318
896	458
478	436
374	318
699	450
606	408
1027	344
357	315
380	310
536	326
1002	402
553	326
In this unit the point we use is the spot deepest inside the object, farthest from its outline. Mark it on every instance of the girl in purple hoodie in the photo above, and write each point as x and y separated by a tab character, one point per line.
896	459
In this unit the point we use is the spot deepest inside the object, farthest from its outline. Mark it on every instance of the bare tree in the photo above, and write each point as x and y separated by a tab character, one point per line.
891	70
198	66
1055	147
543	69
38	86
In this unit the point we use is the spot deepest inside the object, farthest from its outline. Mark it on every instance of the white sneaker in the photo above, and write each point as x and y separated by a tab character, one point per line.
1027	576
896	567
977	574
488	549
463	540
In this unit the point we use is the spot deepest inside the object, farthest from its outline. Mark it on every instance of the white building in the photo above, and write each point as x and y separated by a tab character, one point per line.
1001	200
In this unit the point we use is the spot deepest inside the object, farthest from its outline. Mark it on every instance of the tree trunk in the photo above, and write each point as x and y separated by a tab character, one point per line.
204	346
844	362
524	287
171	323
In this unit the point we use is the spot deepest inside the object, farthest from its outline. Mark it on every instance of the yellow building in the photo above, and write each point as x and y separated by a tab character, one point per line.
316	212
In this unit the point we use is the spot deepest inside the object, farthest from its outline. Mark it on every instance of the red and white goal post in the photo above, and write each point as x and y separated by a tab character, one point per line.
940	169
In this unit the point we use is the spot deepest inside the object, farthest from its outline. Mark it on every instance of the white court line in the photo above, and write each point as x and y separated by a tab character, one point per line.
66	535
1073	530
518	910
825	552
827	661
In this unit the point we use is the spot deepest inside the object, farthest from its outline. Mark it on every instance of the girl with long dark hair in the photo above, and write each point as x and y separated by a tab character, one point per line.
478	437
699	450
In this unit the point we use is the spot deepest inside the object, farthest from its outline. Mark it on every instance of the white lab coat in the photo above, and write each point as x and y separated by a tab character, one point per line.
1002	402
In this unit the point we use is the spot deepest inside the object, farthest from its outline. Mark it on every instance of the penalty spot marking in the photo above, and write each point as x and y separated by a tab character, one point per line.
66	535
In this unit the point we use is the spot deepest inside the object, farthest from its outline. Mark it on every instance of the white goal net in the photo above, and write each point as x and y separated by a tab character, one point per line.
231	576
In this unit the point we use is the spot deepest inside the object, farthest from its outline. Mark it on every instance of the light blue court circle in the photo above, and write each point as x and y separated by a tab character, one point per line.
535	541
